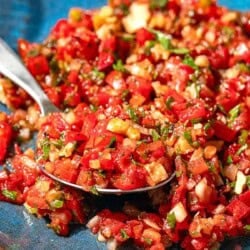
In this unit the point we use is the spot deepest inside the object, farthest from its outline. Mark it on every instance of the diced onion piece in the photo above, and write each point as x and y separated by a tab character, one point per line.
230	171
203	191
137	18
93	222
241	181
179	212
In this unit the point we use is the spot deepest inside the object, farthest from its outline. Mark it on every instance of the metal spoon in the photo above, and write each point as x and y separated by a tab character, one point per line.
12	67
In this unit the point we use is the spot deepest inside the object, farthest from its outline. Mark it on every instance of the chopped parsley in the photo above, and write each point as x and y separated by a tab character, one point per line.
45	148
188	60
187	135
119	66
243	137
169	102
171	220
12	195
112	142
57	203
234	113
229	159
93	190
33	53
155	135
132	114
124	234
97	75
158	4
247	228
93	107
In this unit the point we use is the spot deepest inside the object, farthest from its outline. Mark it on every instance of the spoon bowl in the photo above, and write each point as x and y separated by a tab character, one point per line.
12	67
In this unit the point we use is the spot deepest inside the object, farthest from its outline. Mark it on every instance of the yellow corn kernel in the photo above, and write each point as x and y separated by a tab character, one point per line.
117	125
68	149
202	61
94	164
99	18
157	173
209	151
133	133
75	15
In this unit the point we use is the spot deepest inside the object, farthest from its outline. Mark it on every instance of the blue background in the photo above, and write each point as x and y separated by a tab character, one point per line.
32	19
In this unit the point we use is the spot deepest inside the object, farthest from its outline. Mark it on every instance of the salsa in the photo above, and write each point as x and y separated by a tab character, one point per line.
146	88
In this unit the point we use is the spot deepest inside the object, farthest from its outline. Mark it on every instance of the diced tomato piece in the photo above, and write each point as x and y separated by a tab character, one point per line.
66	170
62	29
139	85
6	133
133	177
238	209
223	132
198	166
245	197
105	60
196	111
38	65
143	35
200	243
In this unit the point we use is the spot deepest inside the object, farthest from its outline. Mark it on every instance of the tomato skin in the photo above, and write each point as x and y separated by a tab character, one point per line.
245	198
220	58
38	65
238	209
131	178
105	60
62	29
65	170
115	79
143	35
223	132
193	112
139	85
6	134
200	243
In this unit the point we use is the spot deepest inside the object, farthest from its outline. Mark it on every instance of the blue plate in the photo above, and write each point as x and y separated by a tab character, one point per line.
32	19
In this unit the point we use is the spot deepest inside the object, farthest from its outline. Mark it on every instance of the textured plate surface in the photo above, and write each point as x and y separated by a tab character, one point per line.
32	20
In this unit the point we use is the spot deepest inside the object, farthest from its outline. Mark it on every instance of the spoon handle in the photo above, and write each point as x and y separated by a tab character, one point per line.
12	67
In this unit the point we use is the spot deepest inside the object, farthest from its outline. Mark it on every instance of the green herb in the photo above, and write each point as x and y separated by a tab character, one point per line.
93	107
155	135
128	37
164	132
93	190
221	108
187	135
57	203
112	142
229	159
211	167
178	173
207	126
234	113
33	52
124	8
149	46
132	114
12	195
163	39
188	60
169	102
148	241
243	137
248	180
232	184
228	32
180	51
124	234
102	173
171	220
58	143
53	64
158	4
45	148
247	227
119	66
195	120
241	149
125	94
97	75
